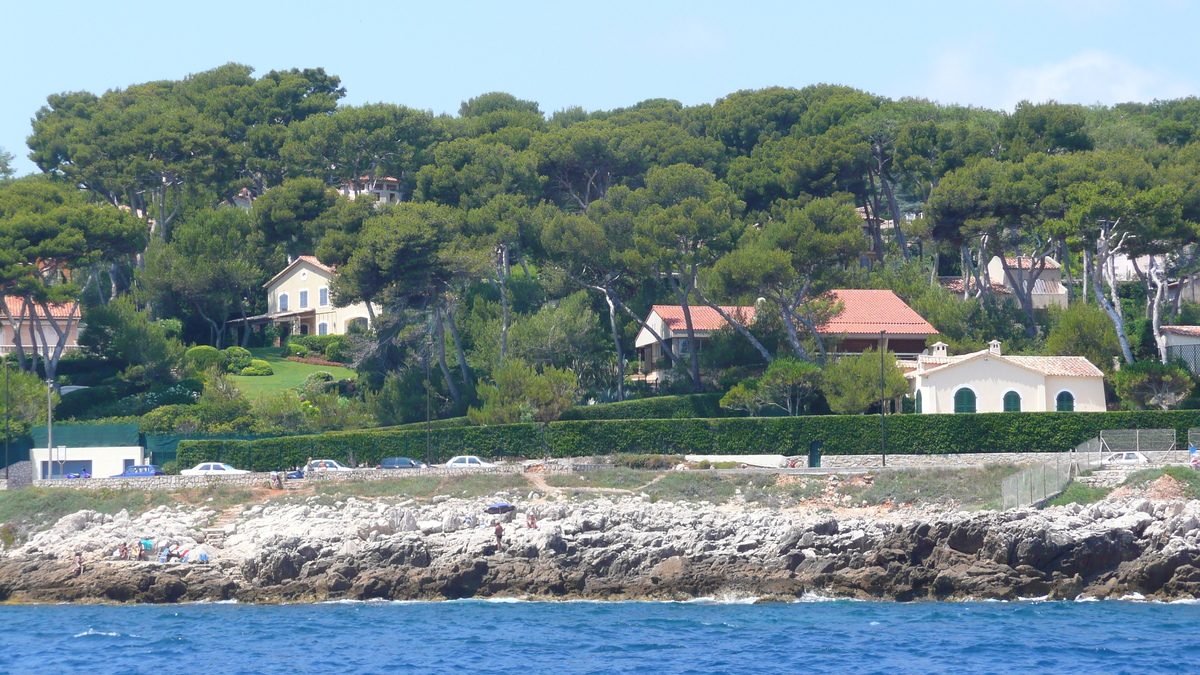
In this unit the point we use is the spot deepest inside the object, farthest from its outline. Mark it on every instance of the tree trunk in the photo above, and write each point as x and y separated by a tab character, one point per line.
894	207
738	326
1102	265
1065	259
683	292
1159	281
440	337
616	334
458	349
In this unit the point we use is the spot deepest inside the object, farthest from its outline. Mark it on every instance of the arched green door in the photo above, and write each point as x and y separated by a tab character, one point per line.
1065	402
964	401
1012	402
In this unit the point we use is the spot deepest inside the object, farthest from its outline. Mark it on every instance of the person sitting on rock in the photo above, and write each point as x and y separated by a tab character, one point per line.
78	564
123	551
531	522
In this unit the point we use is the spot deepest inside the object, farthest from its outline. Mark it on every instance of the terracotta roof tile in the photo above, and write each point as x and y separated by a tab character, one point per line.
1024	263
870	311
17	305
1189	331
1057	366
955	285
312	260
703	316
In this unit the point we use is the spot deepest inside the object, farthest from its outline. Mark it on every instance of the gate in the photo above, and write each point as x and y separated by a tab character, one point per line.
1158	445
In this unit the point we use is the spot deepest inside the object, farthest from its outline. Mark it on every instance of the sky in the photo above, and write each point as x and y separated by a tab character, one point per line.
603	55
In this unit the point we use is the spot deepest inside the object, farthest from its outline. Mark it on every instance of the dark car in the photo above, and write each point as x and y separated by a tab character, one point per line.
401	463
140	470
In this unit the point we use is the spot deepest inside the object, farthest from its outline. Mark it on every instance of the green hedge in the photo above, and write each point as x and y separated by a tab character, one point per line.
840	434
703	406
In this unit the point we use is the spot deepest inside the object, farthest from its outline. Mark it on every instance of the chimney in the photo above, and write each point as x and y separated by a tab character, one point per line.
941	349
994	347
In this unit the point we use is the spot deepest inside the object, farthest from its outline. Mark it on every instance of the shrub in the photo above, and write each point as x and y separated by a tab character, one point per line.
170	468
294	349
318	383
202	357
647	461
258	367
81	402
237	359
659	407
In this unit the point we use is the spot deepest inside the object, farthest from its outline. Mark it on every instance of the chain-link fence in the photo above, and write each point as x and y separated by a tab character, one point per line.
1047	478
1193	439
1158	445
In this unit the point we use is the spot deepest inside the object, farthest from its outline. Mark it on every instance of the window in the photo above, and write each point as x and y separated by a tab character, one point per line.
303	299
60	469
917	407
1065	402
964	401
357	325
304	329
126	463
283	302
685	347
323	297
1012	402
322	329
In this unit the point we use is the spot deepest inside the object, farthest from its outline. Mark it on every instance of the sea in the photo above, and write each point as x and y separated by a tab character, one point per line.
563	638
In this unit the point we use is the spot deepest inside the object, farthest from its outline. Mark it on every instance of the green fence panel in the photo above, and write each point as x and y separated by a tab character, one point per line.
90	436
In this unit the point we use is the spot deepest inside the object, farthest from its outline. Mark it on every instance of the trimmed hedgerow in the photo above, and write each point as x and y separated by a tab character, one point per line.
839	434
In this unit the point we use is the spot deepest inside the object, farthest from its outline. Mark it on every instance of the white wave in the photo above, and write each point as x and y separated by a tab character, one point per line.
1087	598
92	631
1039	598
809	596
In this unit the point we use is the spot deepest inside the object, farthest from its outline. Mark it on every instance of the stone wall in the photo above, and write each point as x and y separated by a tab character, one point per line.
253	479
20	474
957	460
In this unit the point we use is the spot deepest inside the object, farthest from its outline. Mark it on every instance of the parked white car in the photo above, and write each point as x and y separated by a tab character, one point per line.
1126	459
322	465
212	469
468	462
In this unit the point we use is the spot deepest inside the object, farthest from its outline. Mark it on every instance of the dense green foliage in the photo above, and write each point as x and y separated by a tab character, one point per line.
844	434
659	407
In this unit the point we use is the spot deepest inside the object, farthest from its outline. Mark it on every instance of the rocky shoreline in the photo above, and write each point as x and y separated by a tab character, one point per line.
625	549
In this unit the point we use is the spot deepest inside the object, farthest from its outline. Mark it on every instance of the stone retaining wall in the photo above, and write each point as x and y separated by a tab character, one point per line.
20	474
255	479
963	459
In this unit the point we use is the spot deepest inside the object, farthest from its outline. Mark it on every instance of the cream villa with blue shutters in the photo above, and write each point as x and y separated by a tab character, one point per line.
989	381
298	300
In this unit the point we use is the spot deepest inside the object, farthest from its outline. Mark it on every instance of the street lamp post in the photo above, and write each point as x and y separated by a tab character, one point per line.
882	390
50	421
428	427
7	416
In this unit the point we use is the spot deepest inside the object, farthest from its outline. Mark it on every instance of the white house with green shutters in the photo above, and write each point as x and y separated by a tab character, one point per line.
990	381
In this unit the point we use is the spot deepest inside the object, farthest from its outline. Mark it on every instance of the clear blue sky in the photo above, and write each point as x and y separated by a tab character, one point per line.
600	55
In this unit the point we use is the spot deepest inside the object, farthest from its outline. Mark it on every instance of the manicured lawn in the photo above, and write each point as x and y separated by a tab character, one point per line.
288	374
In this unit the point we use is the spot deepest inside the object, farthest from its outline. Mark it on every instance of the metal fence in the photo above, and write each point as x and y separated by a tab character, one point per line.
1047	478
1158	445
1193	439
1189	354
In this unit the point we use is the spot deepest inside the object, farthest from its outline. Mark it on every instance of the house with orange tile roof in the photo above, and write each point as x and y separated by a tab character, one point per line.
19	322
386	189
298	300
1048	288
990	381
855	328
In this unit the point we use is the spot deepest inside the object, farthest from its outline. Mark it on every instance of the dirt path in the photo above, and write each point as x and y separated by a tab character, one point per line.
539	481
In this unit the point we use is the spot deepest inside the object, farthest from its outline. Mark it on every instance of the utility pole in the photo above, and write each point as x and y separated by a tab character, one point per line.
882	390
7	416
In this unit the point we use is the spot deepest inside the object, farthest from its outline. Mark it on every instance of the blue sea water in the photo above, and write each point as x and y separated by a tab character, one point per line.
590	637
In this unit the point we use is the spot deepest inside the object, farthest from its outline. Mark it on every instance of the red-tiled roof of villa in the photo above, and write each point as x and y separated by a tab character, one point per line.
1189	331
310	259
703	316
1025	263
16	306
866	311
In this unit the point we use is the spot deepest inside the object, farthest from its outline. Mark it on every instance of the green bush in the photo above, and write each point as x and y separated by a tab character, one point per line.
202	357
840	435
81	402
237	359
294	349
258	367
657	408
